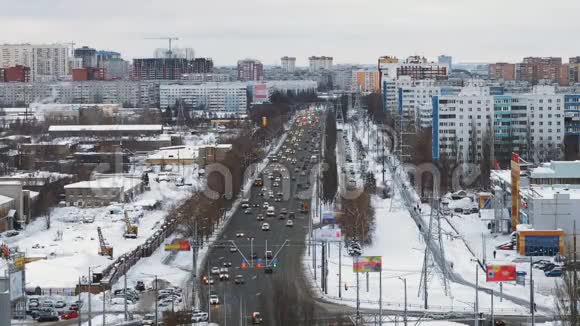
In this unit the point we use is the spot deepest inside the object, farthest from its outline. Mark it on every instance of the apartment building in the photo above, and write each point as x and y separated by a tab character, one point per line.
288	64
15	74
46	61
316	63
208	97
536	69
528	124
502	71
365	80
250	69
169	68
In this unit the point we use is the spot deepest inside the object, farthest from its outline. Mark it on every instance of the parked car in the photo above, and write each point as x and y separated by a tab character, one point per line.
554	272
47	314
148	319
199	316
70	315
60	304
140	286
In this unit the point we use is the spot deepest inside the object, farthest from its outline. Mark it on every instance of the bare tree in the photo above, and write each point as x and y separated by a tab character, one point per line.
358	218
567	292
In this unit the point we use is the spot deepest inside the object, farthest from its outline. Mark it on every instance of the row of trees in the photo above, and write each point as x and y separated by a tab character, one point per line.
330	173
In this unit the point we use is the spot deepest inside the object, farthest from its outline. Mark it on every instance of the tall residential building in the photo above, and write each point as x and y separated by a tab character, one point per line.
574	70
46	61
250	69
536	69
523	123
87	55
208	97
445	60
319	63
169	69
502	71
181	53
288	64
365	80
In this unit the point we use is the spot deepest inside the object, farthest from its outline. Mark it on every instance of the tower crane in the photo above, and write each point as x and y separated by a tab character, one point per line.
105	249
169	39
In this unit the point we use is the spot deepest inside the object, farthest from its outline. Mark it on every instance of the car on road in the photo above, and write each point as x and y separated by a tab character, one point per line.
233	249
268	269
70	315
224	276
245	204
207	280
256	318
276	184
198	316
248	211
265	227
289	223
213	299
215	271
271	194
284	211
239	279
278	199
148	319
281	216
265	205
271	211
292	215
47	314
260	217
60	304
227	264
240	234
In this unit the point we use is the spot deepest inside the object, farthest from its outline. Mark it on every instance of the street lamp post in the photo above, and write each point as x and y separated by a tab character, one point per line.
405	286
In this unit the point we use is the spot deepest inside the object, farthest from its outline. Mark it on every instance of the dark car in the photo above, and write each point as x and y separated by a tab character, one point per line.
47	314
140	286
239	279
268	270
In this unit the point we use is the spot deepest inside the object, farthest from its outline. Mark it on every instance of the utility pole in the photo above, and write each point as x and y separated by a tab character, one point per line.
405	312
357	298
104	309
339	269
476	295
90	281
322	276
156	300
574	307
80	317
125	288
492	315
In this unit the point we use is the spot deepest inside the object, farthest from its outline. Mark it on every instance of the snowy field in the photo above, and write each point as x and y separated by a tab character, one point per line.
70	247
398	240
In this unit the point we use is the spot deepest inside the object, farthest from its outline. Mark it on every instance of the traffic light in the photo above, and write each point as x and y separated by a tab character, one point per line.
244	265
275	262
259	266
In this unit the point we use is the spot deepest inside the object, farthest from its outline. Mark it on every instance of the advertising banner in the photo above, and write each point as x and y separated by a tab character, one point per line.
501	273
328	218
515	177
178	245
327	234
367	264
16	288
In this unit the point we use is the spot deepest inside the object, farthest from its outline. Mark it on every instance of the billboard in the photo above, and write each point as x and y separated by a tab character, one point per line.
501	273
16	288
515	177
178	245
260	91
367	264
328	218
327	234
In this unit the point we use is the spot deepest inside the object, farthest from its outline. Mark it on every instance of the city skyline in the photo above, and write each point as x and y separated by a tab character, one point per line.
267	31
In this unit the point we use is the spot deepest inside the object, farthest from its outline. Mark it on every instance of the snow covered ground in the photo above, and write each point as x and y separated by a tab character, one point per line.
398	240
70	247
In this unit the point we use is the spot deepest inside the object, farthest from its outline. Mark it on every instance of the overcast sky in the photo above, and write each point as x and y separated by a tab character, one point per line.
352	31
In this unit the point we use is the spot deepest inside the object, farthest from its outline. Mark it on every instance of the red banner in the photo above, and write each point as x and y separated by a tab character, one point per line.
501	273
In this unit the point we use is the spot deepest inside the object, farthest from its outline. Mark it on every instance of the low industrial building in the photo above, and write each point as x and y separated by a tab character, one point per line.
7	213
103	192
57	131
175	155
212	153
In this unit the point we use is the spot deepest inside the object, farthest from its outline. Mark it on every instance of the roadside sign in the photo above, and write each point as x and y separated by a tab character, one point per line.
178	245
367	264
334	234
328	218
501	273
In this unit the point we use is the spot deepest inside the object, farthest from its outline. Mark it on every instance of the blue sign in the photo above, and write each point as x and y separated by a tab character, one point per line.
259	261
328	218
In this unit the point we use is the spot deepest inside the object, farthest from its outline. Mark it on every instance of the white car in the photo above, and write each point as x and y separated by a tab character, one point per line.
260	217
199	316
215	271
289	223
265	205
265	227
213	299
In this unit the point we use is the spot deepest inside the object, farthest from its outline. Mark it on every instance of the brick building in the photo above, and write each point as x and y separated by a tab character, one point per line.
502	70
17	73
88	73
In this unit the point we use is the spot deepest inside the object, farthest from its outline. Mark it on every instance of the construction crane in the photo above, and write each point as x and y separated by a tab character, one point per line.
105	249
131	230
169	39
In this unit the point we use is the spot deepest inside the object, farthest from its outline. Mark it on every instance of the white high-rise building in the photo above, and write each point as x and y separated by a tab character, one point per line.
288	64
209	97
46	61
320	63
